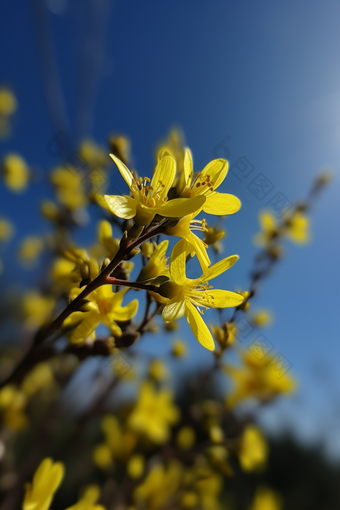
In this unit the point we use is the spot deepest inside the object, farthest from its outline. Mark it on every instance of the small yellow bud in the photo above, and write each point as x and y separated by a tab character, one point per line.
147	249
102	456
189	500
186	438
135	466
157	370
179	349
16	172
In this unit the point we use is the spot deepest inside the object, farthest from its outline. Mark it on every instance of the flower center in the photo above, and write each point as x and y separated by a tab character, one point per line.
200	298
146	194
202	185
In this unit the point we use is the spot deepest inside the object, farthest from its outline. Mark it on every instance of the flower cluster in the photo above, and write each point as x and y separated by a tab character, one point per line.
87	387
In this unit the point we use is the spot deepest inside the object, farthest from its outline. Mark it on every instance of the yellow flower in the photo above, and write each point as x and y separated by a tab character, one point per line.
69	187
39	378
46	481
157	265
161	483
261	318
135	466
186	438
225	334
153	414
184	229
12	404
258	378
94	155
6	229
16	172
179	349
269	228
105	238
206	182
103	306
149	199
297	228
120	146
158	370
187	297
253	450
88	500
102	456
30	249
119	439
36	308
213	236
266	499
8	102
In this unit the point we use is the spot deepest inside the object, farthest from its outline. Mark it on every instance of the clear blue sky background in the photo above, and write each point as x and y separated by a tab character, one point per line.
264	73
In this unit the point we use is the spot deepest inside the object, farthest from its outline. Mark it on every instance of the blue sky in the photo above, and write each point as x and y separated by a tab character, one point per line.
265	74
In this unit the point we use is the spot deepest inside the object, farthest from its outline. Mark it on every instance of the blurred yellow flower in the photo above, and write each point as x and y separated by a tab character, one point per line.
159	485
36	308
135	466
261	318
103	306
69	187
179	349
266	499
12	405
15	172
149	199
154	413
88	500
225	334
295	227
41	377
186	296
30	249
185	438
8	102
260	378
253	449
47	478
105	238
102	456
158	370
6	229
213	236
120	147
93	154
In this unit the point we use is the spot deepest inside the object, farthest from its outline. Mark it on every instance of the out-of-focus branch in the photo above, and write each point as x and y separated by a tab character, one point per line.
50	76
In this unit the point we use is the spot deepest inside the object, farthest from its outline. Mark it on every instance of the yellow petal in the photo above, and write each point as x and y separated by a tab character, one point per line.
199	327
180	207
178	261
217	169
125	313
225	298
123	207
267	221
125	172
218	268
221	204
199	249
174	309
160	252
188	168
164	176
